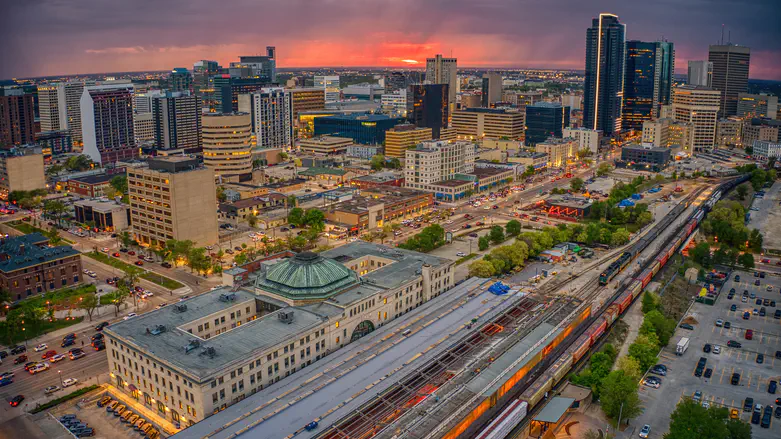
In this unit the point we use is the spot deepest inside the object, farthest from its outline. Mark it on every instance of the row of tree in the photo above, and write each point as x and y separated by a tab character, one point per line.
428	239
379	162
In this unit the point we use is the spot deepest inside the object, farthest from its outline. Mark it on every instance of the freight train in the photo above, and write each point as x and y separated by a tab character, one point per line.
619	303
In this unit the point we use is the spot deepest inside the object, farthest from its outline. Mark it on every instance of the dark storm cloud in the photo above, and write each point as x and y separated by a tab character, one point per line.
44	37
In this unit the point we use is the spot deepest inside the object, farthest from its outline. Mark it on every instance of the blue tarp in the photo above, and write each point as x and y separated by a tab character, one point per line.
626	203
654	190
499	289
637	196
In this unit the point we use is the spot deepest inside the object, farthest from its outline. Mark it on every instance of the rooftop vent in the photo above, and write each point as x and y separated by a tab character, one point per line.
285	317
159	329
180	307
209	352
227	297
194	344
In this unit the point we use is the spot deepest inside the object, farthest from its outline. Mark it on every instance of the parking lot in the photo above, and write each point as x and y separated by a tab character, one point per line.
753	375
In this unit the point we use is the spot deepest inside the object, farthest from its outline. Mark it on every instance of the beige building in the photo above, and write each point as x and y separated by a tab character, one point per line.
402	137
21	169
559	151
144	127
476	123
173	198
440	70
436	161
698	106
49	107
330	145
667	132
192	359
537	160
729	132
587	139
227	143
503	144
471	100
447	134
759	131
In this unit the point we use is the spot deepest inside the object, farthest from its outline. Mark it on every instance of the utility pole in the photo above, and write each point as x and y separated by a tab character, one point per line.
620	412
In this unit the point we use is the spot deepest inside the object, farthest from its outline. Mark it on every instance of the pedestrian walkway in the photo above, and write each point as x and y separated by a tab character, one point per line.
140	409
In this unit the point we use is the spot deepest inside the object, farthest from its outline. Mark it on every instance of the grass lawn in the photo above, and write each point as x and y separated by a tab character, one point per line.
61	295
27	229
128	268
466	258
45	327
62	399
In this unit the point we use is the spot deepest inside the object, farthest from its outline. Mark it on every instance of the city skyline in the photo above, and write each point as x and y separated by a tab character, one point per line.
113	38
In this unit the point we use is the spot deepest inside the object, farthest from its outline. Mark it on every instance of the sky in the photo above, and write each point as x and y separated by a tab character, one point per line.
58	37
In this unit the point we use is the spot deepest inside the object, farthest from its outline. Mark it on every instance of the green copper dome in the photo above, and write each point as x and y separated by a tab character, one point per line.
307	276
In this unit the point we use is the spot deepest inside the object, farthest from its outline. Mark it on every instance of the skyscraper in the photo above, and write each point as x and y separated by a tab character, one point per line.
17	118
427	106
395	81
730	74
331	86
492	89
48	107
441	70
180	80
227	143
545	119
107	123
604	84
177	121
261	67
700	73
649	74
698	106
273	115
69	100
751	105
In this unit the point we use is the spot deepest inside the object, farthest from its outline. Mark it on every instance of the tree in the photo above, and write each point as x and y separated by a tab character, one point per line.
79	163
54	170
656	323
221	196
513	228
125	239
252	220
483	243
755	240
651	302
53	235
619	396
496	234
576	184
296	216
119	296
619	237
630	367
644	350
481	268
119	183
603	169
378	162
394	163
742	191
89	303
315	219
701	254
746	260
690	420
528	172
283	155
738	429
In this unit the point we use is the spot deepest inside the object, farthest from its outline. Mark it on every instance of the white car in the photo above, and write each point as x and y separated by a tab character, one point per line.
40	367
645	431
67	382
717	349
461	254
92	274
56	358
41	347
104	249
129	316
51	389
147	294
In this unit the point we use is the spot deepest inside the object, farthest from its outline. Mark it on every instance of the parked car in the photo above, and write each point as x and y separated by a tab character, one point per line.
16	400
735	379
51	389
101	325
67	382
41	347
659	369
733	344
687	326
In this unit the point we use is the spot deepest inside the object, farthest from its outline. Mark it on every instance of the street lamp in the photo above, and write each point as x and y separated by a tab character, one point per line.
59	373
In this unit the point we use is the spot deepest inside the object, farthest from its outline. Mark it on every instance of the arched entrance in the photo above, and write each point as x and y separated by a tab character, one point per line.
362	329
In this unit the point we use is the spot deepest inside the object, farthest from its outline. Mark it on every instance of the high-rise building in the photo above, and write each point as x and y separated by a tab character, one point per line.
427	106
604	83
69	100
730	74
48	107
666	132
142	102
55	143
21	169
761	105
17	118
180	79
107	123
181	205
227	147
441	70
144	130
364	129
395	103
177	121
492	89
573	101
273	114
395	81
699	106
545	119
585	138
225	98
402	137
331	86
647	86
437	161
261	67
202	71
729	132
700	73
495	123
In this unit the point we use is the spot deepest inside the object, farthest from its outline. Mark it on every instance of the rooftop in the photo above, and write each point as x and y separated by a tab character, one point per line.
453	183
101	206
489	171
367	117
306	276
322	171
381	177
95	179
30	250
569	201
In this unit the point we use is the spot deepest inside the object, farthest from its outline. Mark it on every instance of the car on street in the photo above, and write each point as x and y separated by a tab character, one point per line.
140	263
76	354
67	382
57	358
48	354
645	431
20	359
5	375
166	264
40	367
18	350
101	325
129	316
41	347
68	342
16	400
51	389
687	326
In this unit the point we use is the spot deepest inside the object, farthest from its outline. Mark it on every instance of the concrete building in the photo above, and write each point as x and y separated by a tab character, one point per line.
440	70
108	216
263	67
427	106
492	89
765	149
700	73
388	178
573	101
761	106
730	74
273	115
477	123
55	143
395	102
729	132
329	145
586	138
181	205
651	155
605	68
223	346
69	101
202	70
177	121
559	151
21	169
364	152
29	266
761	129
700	107
306	99
667	132
17	118
537	160
331	86
378	206
545	119
402	137
227	147
49	108
434	161
107	123
180	79
144	128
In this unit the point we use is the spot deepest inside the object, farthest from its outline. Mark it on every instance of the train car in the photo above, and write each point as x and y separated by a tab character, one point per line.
560	368
504	423
597	329
635	288
698	217
655	267
537	390
611	313
579	347
624	300
616	267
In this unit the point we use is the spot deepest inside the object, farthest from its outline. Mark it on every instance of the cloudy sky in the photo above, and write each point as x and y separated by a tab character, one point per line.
52	37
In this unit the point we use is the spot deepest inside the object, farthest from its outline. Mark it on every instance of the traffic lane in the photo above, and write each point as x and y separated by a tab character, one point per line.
91	365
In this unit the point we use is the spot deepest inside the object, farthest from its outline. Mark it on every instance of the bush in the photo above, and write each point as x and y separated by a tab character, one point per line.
68	397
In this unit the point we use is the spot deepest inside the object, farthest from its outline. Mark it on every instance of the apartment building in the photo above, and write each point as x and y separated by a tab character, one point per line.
227	146
476	123
21	169
559	151
587	139
402	137
698	106
329	145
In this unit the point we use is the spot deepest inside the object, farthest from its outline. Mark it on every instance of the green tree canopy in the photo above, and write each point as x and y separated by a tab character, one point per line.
296	217
513	228
619	396
481	268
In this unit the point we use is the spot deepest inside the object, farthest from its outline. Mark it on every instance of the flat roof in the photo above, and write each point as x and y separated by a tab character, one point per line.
490	171
322	171
234	346
101	205
569	201
554	410
453	183
95	179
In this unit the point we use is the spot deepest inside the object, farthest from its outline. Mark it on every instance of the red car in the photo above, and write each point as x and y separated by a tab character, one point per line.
49	354
139	263
115	254
131	252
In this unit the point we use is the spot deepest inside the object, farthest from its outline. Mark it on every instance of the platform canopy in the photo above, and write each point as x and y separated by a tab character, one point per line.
554	410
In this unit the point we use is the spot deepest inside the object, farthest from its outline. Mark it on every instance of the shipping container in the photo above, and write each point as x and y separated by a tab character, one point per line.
655	267
597	329
611	313
580	347
560	368
635	288
624	301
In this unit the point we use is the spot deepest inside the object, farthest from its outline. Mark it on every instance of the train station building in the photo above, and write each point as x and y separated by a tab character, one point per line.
572	206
